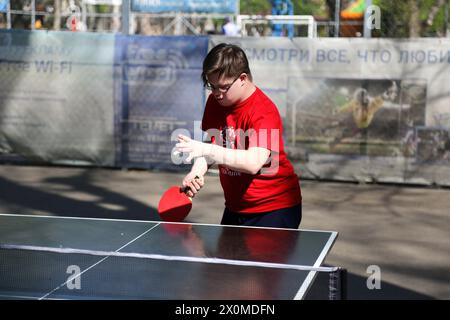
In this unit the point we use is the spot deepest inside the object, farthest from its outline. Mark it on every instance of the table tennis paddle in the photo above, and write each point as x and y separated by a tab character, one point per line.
174	204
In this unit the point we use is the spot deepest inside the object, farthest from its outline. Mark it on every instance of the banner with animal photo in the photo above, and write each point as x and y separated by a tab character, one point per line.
359	109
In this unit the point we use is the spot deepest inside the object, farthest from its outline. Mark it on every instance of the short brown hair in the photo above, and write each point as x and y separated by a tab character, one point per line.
228	60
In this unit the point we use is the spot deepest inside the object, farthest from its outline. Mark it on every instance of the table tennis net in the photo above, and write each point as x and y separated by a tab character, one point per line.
38	272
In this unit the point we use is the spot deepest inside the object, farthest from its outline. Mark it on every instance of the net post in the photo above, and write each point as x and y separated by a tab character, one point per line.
337	285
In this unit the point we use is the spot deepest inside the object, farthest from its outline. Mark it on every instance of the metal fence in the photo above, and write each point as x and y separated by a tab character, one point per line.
333	18
86	15
74	15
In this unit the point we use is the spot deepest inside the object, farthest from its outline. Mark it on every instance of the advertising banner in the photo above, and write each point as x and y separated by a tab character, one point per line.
186	6
4	5
352	109
56	97
158	92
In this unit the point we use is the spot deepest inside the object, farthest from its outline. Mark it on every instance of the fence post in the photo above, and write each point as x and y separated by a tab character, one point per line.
33	15
367	30
446	19
126	17
8	15
337	15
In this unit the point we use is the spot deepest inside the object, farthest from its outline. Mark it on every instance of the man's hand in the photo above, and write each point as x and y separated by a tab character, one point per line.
194	183
187	145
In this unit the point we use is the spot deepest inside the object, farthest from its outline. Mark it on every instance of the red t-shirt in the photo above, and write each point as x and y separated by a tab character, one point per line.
254	122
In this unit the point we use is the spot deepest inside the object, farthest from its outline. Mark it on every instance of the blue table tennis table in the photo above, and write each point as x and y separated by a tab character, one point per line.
50	257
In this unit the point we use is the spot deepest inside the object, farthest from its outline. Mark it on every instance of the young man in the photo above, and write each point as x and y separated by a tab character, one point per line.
245	129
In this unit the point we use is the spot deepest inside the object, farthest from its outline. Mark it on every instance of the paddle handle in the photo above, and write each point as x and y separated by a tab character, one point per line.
186	189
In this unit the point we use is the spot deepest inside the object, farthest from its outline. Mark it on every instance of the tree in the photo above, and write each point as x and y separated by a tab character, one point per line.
262	7
412	18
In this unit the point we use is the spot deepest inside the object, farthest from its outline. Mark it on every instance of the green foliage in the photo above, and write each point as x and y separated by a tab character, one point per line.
262	7
310	7
103	8
396	18
395	15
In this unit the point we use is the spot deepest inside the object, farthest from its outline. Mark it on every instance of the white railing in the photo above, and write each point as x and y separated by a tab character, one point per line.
244	20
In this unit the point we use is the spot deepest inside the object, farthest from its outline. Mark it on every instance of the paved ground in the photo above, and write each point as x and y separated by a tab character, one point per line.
402	230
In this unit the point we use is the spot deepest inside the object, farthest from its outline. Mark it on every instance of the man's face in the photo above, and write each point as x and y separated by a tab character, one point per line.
227	91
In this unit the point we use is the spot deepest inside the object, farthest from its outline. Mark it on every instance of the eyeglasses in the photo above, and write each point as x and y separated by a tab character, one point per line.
222	89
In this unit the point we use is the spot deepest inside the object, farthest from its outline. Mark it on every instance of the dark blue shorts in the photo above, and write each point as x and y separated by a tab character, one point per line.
282	218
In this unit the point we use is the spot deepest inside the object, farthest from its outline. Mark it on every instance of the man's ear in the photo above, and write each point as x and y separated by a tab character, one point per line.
244	77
